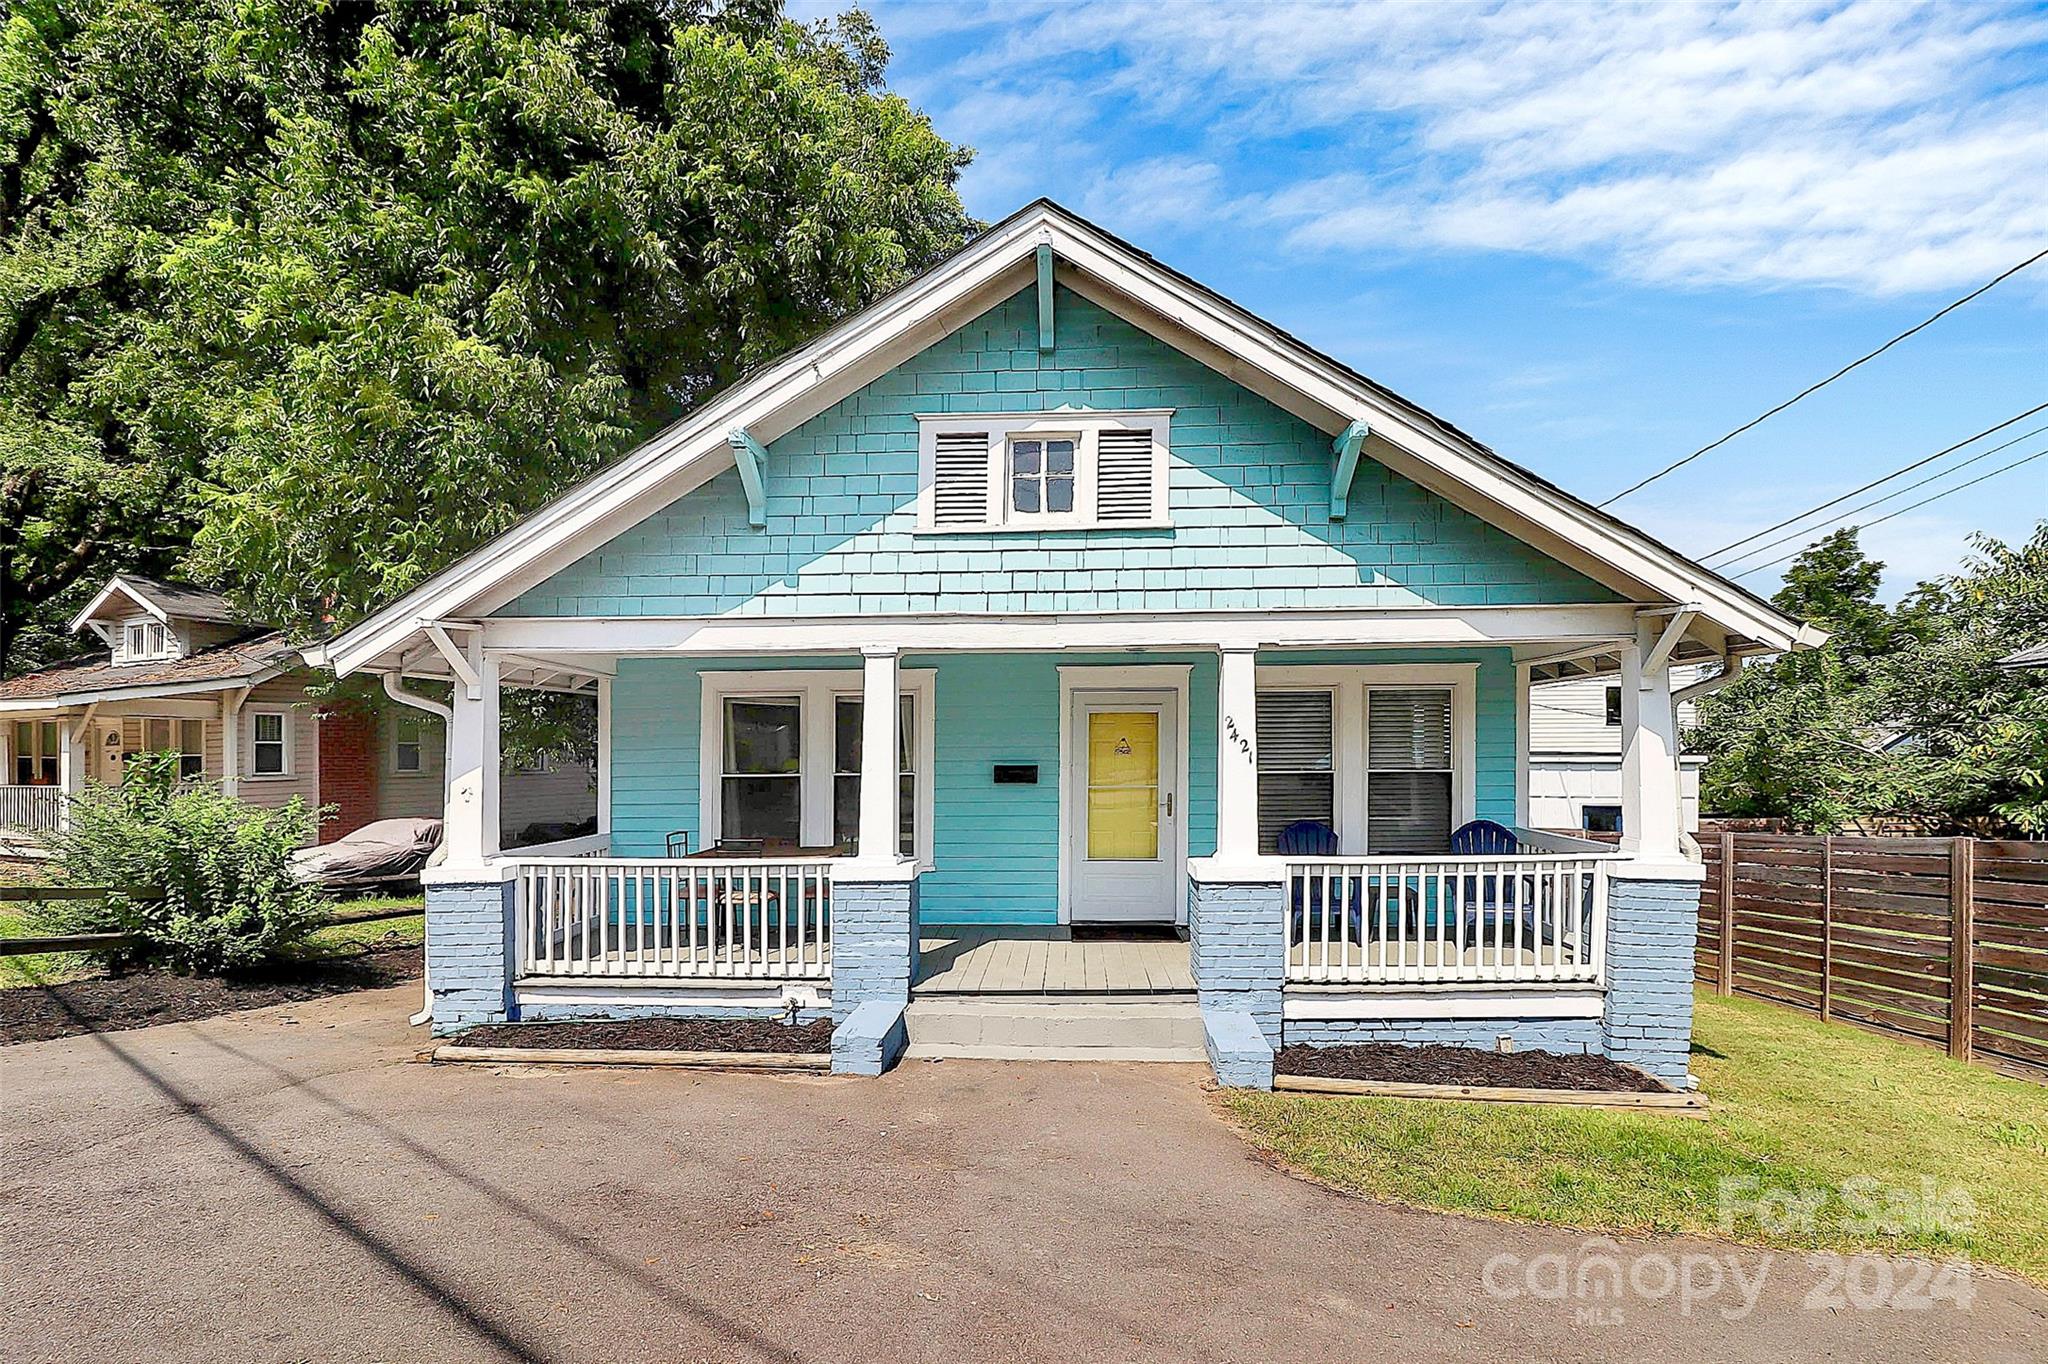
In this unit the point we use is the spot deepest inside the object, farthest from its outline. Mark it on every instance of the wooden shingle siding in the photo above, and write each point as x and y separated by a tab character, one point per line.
1250	489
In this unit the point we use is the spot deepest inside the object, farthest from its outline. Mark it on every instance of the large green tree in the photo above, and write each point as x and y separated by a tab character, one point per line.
114	140
1904	713
409	267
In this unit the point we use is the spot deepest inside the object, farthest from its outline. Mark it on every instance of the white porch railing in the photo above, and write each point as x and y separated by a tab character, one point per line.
1503	919
663	918
32	809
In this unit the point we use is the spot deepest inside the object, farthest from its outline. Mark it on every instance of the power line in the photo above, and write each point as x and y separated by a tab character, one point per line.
1815	388
1903	469
1896	492
1903	510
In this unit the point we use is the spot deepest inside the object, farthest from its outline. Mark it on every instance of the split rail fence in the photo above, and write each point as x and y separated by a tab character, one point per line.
1942	940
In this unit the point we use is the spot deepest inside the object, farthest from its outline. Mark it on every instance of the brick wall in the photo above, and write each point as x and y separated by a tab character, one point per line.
1569	1036
348	769
874	943
1237	944
469	954
1651	930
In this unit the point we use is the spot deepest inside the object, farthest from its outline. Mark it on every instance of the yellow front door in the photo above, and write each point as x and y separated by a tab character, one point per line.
1123	785
1123	849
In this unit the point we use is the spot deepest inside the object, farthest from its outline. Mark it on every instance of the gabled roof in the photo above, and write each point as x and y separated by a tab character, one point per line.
1327	394
242	663
165	601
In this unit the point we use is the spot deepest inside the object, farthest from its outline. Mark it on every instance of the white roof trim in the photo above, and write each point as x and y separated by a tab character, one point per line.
115	584
792	390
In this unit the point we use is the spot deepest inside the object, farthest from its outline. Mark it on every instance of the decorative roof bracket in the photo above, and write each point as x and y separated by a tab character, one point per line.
1346	446
748	455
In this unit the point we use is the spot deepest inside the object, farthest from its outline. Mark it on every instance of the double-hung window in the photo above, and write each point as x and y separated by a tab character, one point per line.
783	757
405	743
762	791
1409	781
186	738
35	753
1297	761
1379	756
846	758
270	743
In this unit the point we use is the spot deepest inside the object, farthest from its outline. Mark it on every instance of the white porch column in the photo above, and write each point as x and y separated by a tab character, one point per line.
471	828
1649	754
72	731
880	767
604	758
1237	767
231	740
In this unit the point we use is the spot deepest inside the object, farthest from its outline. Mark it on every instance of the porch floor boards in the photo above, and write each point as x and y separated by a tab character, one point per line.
1047	961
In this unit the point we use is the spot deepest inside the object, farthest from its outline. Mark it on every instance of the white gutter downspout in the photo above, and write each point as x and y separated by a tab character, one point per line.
394	687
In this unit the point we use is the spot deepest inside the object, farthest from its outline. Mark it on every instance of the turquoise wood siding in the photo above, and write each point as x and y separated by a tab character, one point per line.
1249	504
996	848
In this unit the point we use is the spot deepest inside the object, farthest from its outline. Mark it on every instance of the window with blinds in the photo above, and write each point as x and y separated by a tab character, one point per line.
1296	763
1408	760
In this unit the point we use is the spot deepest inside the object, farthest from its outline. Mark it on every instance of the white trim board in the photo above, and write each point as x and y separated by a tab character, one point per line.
1201	323
1454	1004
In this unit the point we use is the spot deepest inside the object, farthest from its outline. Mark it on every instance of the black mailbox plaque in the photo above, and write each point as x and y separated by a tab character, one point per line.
1016	774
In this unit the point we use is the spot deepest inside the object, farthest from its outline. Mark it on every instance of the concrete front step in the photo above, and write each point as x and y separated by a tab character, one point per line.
1067	1029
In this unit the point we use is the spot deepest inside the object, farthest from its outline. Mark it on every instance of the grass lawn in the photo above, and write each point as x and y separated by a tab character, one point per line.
1798	1105
54	968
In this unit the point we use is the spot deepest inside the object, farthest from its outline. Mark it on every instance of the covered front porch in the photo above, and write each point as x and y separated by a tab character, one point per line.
813	829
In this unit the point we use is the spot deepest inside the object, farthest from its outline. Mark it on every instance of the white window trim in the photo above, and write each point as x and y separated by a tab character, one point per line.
1081	424
172	647
1348	684
419	729
820	689
285	728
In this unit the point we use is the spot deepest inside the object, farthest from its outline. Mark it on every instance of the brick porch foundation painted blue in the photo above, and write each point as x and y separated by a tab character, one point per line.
874	942
1237	943
470	949
539	1011
1651	930
870	1039
1571	1036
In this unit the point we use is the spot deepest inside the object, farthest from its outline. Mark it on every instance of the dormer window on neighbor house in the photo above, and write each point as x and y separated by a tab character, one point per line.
1060	470
145	641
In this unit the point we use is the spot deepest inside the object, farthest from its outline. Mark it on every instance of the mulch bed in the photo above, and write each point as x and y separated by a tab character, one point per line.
140	999
1463	1066
658	1034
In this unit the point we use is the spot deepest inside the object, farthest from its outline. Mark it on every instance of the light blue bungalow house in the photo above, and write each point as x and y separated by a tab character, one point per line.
1056	659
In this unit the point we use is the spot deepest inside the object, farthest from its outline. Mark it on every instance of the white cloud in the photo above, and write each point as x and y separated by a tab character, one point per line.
1882	146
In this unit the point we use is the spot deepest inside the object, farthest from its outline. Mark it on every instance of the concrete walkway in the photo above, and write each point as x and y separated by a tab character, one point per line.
283	1185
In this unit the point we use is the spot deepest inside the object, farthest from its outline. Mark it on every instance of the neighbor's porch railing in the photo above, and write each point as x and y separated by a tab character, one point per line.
665	918
1539	918
32	809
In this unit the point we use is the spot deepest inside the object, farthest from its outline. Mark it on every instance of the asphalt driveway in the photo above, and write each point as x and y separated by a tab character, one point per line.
286	1185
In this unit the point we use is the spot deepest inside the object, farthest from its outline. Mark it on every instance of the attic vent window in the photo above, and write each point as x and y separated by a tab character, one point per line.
142	640
1058	471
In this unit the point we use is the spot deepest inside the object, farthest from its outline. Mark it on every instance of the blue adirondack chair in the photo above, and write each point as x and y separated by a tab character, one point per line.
1313	838
1481	895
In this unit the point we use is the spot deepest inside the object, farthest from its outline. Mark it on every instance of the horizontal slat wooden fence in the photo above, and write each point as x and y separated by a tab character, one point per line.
1944	940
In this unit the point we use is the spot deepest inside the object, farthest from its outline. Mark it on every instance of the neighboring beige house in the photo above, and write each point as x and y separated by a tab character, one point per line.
1575	754
183	675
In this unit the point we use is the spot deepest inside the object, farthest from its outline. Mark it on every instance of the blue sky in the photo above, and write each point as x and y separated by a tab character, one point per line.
1594	236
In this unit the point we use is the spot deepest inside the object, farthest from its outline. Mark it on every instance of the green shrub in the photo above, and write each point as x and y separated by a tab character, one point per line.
230	900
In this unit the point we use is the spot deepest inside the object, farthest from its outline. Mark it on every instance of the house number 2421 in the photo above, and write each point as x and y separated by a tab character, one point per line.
1230	731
